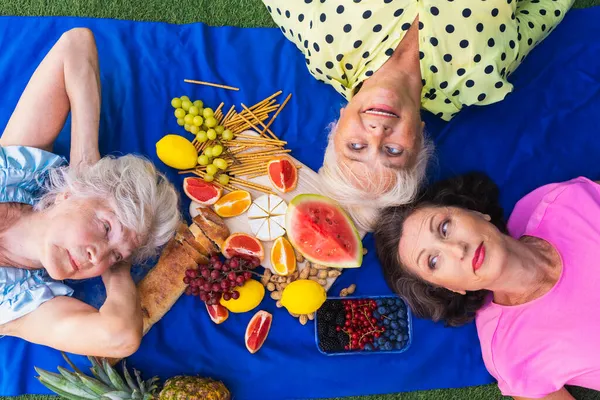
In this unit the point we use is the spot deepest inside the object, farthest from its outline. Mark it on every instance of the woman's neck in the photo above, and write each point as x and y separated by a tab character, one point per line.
534	269
18	245
402	70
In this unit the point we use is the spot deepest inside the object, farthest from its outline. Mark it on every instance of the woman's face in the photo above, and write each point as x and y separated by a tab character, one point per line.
84	238
453	248
380	130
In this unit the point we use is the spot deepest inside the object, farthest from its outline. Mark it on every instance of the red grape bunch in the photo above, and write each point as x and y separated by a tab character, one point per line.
218	279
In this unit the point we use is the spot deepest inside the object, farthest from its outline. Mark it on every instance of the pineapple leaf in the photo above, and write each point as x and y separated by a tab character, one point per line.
140	382
70	363
98	371
136	395
95	385
65	391
129	379
75	381
115	379
117	395
151	385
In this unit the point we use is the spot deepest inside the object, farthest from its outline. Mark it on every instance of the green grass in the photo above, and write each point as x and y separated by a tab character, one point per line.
245	13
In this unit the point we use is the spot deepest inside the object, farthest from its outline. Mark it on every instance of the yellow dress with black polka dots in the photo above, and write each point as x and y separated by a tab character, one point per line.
467	48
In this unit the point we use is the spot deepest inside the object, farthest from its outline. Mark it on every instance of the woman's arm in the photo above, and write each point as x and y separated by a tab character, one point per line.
67	324
66	80
562	394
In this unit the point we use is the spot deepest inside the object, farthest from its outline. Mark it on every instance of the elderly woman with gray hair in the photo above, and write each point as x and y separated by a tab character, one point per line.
92	218
391	58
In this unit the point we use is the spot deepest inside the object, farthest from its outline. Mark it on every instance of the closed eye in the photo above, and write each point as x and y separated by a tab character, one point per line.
106	227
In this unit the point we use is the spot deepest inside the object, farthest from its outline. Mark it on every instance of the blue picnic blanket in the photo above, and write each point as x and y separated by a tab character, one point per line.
546	131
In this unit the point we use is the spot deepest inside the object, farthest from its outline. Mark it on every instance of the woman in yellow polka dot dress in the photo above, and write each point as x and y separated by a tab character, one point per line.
389	59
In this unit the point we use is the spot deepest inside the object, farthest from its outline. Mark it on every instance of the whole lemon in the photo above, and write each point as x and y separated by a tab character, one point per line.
251	294
177	152
303	296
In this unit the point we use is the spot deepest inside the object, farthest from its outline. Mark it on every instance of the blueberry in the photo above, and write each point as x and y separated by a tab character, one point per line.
405	337
387	346
392	337
387	334
369	347
376	344
395	332
390	302
398	301
399	345
376	314
382	310
381	341
393	308
401	314
379	302
386	322
403	323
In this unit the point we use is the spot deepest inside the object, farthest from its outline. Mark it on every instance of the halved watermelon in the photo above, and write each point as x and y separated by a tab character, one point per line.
319	229
257	331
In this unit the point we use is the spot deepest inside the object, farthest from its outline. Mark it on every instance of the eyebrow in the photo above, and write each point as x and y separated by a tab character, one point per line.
430	230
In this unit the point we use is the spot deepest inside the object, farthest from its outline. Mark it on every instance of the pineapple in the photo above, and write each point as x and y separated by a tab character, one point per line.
107	384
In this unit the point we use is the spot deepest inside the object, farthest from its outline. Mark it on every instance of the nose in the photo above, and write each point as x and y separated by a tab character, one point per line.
378	130
457	249
96	254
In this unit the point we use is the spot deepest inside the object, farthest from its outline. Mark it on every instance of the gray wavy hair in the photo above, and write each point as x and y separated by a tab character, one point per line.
364	204
146	202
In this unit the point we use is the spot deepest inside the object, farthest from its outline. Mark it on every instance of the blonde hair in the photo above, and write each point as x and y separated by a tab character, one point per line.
363	204
146	202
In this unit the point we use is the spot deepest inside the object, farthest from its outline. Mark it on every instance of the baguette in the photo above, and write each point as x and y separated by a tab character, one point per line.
212	226
203	241
163	285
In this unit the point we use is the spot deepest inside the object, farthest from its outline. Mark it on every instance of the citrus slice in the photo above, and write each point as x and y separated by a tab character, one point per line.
266	217
257	331
233	204
243	244
218	313
283	258
202	192
283	173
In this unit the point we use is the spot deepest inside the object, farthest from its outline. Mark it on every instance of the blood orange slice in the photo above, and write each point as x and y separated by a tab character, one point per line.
203	193
257	331
218	314
283	174
243	244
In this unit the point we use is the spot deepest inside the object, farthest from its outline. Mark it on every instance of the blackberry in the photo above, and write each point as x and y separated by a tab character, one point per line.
328	316
329	345
331	332
340	319
342	338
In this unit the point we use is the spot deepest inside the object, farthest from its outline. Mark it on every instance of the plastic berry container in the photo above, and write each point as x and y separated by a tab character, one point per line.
333	338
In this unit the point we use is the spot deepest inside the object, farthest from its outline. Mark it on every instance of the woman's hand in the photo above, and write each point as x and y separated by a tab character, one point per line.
67	80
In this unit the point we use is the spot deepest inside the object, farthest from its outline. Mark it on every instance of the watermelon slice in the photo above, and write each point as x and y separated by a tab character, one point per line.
257	331
319	229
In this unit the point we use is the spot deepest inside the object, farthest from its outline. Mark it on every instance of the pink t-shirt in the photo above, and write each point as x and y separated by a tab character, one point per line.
536	348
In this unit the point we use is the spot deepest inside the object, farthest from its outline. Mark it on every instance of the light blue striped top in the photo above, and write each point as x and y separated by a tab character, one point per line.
23	171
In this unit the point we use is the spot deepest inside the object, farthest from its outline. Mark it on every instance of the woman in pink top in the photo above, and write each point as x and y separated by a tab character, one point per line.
534	292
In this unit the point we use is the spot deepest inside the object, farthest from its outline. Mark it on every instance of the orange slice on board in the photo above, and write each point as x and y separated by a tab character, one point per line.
283	258
233	204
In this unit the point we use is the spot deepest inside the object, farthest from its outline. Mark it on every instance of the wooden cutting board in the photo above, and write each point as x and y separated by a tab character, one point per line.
309	182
